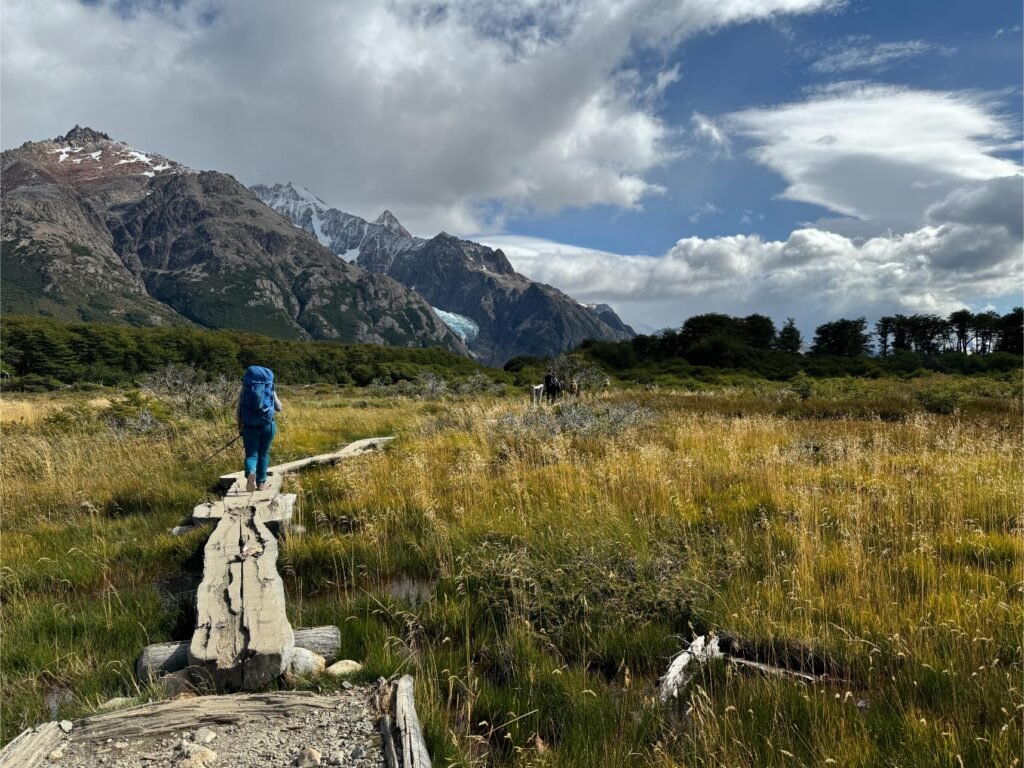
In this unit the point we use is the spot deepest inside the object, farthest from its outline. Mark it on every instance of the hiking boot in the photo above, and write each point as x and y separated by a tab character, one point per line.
261	487
250	483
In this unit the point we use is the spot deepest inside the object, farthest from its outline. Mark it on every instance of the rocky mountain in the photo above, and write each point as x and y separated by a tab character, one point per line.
94	229
498	312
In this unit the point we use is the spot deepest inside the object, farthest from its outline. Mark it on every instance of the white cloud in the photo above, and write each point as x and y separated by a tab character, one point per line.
880	152
443	112
814	275
861	52
710	132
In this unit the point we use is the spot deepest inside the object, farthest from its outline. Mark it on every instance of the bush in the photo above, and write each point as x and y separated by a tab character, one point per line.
940	401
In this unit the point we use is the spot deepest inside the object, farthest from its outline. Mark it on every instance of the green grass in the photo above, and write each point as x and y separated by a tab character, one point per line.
537	575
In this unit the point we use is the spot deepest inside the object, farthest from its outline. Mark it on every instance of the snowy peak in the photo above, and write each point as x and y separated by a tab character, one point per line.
78	136
389	221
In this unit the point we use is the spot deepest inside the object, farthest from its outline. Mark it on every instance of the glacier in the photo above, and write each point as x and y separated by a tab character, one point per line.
464	328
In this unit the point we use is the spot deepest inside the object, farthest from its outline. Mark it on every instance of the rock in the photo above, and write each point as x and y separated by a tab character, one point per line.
120	745
308	758
347	685
57	754
343	668
195	755
204	735
182	530
357	753
118	702
177	684
66	726
305	663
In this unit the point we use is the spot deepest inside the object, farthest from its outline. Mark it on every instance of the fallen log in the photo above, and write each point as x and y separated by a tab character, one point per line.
242	638
177	715
32	746
703	649
414	750
163	658
352	449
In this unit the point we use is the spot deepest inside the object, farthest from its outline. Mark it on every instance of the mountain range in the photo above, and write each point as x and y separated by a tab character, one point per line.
498	312
94	229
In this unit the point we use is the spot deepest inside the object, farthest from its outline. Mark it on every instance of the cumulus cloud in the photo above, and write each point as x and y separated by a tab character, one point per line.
447	113
880	152
860	52
814	275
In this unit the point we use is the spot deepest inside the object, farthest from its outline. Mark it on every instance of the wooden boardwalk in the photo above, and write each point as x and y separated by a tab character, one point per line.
242	639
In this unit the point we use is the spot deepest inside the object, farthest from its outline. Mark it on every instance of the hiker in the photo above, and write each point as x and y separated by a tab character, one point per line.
257	405
552	386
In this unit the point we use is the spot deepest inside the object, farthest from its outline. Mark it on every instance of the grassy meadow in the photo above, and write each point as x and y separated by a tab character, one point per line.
537	569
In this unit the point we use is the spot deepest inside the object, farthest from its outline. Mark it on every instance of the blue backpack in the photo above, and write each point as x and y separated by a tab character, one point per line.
257	396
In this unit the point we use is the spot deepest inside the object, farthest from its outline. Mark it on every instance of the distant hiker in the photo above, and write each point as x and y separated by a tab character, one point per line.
574	387
257	405
552	386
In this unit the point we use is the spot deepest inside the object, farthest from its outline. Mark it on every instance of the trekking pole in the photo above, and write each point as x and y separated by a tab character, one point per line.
224	447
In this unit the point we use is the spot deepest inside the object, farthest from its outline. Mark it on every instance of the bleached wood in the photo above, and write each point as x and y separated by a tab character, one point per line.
32	746
161	658
276	509
414	750
242	638
356	448
172	717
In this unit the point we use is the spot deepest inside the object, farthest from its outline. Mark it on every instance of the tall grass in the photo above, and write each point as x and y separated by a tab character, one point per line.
537	572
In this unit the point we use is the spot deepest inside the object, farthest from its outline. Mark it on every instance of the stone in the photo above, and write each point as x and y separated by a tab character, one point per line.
204	735
66	726
347	685
57	754
308	758
120	745
357	753
343	668
175	684
195	755
118	702
305	663
182	530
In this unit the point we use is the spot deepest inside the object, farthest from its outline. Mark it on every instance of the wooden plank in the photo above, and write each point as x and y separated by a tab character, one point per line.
357	448
414	750
164	718
32	746
242	638
162	658
278	509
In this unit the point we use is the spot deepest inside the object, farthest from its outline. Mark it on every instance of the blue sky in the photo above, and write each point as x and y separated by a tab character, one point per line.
806	158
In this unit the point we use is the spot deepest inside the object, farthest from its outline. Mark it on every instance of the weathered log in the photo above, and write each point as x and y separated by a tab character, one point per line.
171	717
279	508
390	756
414	750
242	638
352	449
162	658
32	746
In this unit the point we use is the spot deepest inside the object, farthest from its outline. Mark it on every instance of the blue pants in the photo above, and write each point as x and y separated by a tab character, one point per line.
257	442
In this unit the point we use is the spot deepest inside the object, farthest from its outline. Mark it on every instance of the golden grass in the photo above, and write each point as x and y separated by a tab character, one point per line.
562	569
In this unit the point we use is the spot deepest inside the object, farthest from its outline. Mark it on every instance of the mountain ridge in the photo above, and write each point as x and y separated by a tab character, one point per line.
513	315
94	229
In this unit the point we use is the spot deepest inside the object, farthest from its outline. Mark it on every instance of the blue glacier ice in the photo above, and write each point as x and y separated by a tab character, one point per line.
464	328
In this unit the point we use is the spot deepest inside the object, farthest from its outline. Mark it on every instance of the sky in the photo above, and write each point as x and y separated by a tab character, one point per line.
798	158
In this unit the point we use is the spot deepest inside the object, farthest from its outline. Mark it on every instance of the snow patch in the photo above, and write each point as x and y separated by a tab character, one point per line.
464	327
351	255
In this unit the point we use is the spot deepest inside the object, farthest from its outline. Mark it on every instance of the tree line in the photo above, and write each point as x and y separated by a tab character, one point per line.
962	341
42	353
